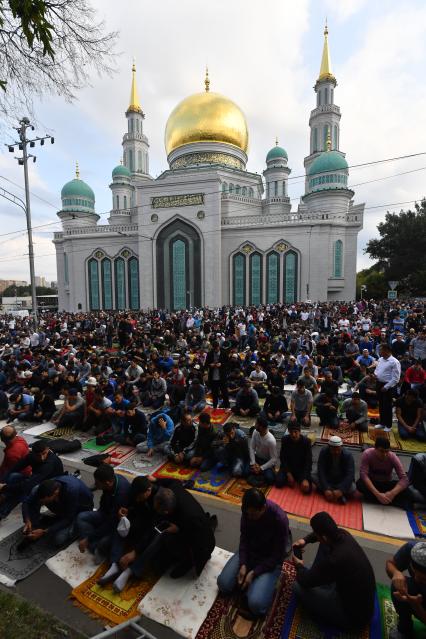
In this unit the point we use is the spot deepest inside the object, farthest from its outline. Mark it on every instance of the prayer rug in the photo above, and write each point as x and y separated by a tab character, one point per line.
224	622
98	448
218	416
234	490
65	432
245	422
388	616
417	521
373	413
38	430
386	520
292	500
17	564
211	481
410	445
370	437
348	515
119	454
183	605
72	566
141	464
350	437
104	603
170	470
299	625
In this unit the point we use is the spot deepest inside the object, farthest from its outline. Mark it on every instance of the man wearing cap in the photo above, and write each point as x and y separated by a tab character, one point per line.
388	373
295	460
301	404
408	592
375	482
339	588
335	471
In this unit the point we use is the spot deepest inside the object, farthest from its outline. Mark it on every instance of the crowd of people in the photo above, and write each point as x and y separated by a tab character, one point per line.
144	379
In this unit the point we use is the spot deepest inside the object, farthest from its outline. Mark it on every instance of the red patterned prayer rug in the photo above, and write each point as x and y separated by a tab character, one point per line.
235	489
218	416
349	436
170	470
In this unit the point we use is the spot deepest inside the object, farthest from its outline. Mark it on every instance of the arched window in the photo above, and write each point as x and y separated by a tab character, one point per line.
66	273
338	258
336	137
137	125
93	273
133	279
326	96
238	189
120	283
130	160
315	148
224	187
272	278
131	125
251	192
146	163
106	284
331	95
117	202
244	191
231	188
124	158
140	161
275	188
179	274
319	98
125	201
239	279
290	277
325	132
255	279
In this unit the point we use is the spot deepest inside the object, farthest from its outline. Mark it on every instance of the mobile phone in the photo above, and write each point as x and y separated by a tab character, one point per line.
161	526
297	552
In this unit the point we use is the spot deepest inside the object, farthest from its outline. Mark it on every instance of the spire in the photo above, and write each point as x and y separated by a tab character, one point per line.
134	98
207	80
276	141
77	171
325	70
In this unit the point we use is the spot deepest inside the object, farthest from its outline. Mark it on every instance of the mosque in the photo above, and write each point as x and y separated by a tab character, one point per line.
207	232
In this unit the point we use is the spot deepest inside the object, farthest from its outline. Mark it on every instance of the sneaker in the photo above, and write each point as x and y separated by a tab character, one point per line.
385	429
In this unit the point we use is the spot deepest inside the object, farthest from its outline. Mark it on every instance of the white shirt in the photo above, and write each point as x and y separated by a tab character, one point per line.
264	447
388	371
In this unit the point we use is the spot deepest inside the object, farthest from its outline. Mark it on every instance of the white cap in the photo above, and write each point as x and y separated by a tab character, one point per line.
91	381
335	441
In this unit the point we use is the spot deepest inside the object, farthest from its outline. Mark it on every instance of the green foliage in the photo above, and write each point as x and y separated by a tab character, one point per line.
401	249
374	279
25	291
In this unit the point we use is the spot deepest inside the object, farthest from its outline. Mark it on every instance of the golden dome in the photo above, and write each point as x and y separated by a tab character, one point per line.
206	117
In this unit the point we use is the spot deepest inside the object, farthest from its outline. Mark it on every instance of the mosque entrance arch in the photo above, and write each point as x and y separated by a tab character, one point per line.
178	266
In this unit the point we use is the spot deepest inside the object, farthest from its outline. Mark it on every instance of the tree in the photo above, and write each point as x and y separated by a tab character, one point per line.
401	249
49	47
25	291
374	280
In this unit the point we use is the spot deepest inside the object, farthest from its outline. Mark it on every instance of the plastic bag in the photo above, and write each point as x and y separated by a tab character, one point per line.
123	527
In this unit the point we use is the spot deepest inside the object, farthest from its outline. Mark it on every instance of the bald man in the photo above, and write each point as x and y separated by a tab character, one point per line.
15	449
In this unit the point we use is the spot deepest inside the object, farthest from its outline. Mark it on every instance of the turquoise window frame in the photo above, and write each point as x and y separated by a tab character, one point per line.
256	278
272	278
179	264
338	259
239	279
133	279
93	275
290	277
106	270
120	283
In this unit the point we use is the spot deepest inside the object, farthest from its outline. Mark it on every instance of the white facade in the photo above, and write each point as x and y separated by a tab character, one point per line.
207	232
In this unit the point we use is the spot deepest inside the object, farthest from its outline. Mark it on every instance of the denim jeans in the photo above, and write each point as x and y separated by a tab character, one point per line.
159	448
260	593
12	498
420	433
95	526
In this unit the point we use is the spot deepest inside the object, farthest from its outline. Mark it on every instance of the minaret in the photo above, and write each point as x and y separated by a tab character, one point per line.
325	118
276	179
135	142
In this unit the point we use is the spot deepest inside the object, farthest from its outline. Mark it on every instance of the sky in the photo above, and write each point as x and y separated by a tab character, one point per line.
266	58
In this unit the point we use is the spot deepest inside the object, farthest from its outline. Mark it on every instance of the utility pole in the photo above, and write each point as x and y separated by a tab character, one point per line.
25	124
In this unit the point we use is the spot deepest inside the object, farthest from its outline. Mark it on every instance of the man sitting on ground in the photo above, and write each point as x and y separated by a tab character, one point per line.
335	472
203	453
356	412
246	401
376	482
301	405
183	437
65	497
275	408
22	407
160	431
195	399
295	460
263	453
72	412
339	588
15	448
95	528
408	592
43	408
327	407
256	566
409	413
235	453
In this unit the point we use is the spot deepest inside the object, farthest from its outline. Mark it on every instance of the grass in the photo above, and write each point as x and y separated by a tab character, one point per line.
20	619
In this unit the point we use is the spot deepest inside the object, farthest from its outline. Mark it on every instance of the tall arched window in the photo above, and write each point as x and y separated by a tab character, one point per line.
255	279
106	284
120	283
325	132
124	158
231	188
272	278
326	96
338	258
251	192
244	190
336	137
140	161
93	273
131	168
315	140
117	202
290	277
239	279
66	272
179	274
125	201
331	95
224	187
133	279
237	189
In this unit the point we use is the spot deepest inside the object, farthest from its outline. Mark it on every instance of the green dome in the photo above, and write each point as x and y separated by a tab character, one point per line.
328	161
277	152
77	188
121	170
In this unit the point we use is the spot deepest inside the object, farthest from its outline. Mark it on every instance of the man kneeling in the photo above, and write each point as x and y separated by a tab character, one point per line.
255	568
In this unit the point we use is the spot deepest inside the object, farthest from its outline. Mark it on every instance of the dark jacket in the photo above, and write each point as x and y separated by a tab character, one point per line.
274	403
345	474
346	565
182	438
296	457
204	442
237	448
74	497
111	502
41	470
223	361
